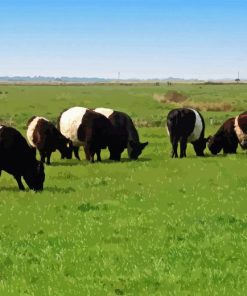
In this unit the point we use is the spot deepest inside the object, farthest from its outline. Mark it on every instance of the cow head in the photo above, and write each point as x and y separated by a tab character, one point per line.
135	149
243	143
65	147
215	144
35	176
199	146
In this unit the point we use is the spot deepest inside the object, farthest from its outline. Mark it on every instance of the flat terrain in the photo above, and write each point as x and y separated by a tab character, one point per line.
156	226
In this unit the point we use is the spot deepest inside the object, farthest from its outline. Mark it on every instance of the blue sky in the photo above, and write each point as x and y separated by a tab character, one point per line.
142	39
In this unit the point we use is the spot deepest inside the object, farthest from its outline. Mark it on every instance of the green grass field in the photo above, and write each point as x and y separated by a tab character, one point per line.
156	226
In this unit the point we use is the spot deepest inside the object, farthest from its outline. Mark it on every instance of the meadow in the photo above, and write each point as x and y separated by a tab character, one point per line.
155	226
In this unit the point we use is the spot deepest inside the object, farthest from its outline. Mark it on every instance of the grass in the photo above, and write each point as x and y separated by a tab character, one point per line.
156	226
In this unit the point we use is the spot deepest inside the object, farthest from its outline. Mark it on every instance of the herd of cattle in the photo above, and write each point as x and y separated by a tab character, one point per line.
93	129
187	126
99	128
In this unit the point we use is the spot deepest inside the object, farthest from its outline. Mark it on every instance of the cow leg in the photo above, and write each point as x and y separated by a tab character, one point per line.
183	146
98	155
115	155
92	157
174	148
116	158
48	160
87	153
76	152
18	180
92	151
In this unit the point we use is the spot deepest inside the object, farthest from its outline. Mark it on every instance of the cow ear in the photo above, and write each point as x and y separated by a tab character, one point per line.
208	139
143	145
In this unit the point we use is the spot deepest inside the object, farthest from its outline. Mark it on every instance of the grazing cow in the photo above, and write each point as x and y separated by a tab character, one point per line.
18	159
225	138
44	136
186	126
240	127
126	133
89	129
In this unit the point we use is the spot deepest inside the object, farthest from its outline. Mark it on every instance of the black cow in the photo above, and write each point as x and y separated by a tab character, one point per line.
89	129
186	126
225	138
126	134
18	159
240	127
44	136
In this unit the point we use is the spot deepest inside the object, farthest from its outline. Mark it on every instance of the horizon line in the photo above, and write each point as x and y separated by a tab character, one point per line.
114	78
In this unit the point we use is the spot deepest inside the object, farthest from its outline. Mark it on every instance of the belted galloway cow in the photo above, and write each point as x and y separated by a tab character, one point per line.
43	135
186	125
18	159
224	139
89	129
126	133
240	127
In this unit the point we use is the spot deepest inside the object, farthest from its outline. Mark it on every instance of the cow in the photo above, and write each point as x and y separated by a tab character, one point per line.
126	133
240	127
89	129
43	135
225	138
186	125
18	159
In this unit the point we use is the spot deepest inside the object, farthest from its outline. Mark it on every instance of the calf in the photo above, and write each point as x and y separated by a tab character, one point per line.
18	159
225	138
186	126
126	133
240	127
89	129
44	136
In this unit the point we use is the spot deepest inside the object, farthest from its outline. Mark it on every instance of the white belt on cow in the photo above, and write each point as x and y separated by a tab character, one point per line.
242	137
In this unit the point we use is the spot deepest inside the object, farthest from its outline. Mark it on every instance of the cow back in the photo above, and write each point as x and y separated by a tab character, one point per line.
69	123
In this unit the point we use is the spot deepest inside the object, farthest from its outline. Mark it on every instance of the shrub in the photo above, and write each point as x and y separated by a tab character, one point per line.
170	97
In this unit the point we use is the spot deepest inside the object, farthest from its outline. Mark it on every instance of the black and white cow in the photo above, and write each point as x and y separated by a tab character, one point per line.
224	139
89	129
186	126
126	133
240	127
18	159
43	135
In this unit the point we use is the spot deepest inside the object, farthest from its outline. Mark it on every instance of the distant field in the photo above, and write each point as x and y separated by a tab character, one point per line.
156	226
21	102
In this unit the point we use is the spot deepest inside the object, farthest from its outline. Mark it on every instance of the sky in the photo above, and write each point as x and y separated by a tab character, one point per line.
203	39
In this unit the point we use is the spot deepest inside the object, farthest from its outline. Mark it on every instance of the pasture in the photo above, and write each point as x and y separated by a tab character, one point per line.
155	226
